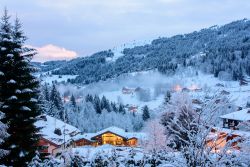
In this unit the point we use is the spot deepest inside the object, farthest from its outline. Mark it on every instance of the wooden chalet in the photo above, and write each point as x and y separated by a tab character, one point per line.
232	120
220	137
133	108
127	90
112	135
231	134
51	140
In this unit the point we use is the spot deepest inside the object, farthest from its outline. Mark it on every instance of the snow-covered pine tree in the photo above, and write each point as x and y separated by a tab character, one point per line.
4	35
3	135
43	103
73	101
97	104
57	105
167	97
145	113
121	109
46	92
105	104
18	94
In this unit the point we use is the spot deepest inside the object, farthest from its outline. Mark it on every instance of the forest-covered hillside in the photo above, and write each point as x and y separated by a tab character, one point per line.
220	50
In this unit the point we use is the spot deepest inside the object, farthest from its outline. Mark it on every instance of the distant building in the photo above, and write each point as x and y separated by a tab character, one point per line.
127	90
133	108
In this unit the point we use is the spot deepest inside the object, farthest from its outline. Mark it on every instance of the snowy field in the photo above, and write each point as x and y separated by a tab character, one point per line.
118	50
121	155
57	78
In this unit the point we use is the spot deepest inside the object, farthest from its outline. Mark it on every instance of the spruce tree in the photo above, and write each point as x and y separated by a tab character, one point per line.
57	105
105	104
73	101
97	105
167	97
3	135
46	92
19	95
145	113
121	109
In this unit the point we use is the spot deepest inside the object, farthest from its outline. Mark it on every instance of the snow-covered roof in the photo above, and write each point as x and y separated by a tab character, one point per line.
87	136
49	125
242	115
233	132
121	132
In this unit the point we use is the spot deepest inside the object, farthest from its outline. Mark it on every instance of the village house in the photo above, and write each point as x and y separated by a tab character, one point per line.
112	135
57	135
219	137
127	90
54	134
232	120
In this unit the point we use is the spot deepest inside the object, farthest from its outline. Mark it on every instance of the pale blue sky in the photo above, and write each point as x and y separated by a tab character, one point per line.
83	27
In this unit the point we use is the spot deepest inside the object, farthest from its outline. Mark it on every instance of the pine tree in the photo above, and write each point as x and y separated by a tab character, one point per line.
73	101
145	113
97	105
57	105
46	92
105	104
113	107
3	135
121	109
167	97
89	98
19	94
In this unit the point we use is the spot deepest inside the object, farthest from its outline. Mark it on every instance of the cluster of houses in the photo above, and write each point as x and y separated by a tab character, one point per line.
232	132
57	135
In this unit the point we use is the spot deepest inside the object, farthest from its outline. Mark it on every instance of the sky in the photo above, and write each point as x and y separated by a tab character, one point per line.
65	29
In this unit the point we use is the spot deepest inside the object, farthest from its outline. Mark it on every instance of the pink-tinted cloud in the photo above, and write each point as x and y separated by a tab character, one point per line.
52	52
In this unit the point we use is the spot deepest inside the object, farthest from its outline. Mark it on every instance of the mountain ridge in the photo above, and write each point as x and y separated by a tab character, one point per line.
225	51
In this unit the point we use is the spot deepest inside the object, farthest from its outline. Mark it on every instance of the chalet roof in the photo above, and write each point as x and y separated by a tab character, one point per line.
86	136
242	115
49	124
121	132
233	132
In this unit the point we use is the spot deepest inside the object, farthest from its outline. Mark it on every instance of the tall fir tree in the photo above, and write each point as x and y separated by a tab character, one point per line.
3	127
97	104
145	113
57	105
73	101
167	97
19	95
46	92
121	109
105	104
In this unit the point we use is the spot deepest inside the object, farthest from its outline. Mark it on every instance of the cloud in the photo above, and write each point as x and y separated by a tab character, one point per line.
52	52
88	26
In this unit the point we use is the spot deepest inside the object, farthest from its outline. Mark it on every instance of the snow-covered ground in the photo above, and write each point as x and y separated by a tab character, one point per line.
151	80
132	100
90	152
58	78
119	49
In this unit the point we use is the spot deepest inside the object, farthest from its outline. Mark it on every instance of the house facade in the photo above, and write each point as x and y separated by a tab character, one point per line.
112	135
232	120
55	134
231	134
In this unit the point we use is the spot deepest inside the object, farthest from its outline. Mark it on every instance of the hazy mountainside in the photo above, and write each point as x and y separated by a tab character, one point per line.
49	65
222	51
